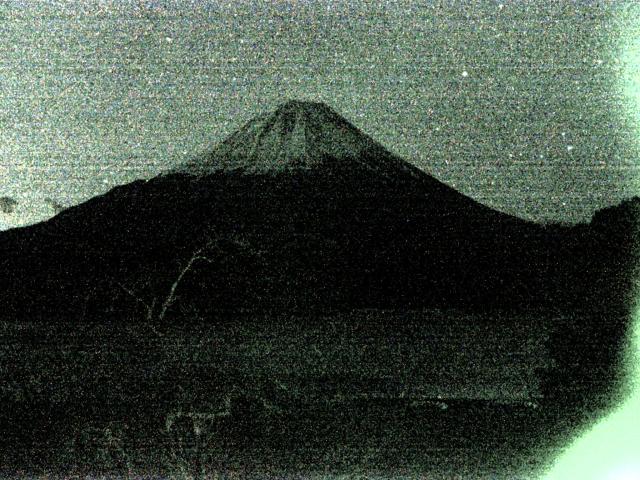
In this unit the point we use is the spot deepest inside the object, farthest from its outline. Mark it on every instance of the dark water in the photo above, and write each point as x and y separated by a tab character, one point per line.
381	394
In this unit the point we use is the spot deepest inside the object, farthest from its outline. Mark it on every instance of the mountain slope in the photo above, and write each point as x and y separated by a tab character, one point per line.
296	210
298	136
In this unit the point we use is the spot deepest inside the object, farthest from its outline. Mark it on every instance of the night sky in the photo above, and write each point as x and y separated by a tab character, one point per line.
531	107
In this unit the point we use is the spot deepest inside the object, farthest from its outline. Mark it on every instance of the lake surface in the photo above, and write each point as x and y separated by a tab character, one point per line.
387	394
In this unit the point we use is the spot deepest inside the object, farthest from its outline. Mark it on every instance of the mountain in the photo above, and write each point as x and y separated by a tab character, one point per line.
299	210
299	136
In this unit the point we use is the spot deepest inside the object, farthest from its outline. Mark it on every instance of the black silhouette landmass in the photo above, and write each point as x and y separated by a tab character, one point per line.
300	212
308	226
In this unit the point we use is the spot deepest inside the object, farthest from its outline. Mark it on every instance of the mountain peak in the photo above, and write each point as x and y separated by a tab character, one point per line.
297	135
312	112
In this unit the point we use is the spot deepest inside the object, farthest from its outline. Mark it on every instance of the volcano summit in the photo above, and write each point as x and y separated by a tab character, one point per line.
296	136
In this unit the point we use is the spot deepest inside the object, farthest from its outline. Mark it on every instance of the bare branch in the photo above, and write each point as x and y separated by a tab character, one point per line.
151	309
171	296
148	307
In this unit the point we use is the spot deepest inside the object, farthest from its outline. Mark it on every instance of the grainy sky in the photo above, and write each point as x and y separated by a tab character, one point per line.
527	106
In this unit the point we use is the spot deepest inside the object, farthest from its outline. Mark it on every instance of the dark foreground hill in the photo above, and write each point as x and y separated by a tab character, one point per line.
298	210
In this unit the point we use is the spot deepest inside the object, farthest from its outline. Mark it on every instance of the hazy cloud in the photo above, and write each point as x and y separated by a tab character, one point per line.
57	206
7	204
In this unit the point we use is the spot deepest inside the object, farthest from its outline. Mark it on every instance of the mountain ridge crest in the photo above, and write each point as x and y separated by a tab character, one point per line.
298	135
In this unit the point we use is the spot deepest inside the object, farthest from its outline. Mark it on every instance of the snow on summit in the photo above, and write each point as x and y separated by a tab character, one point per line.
298	135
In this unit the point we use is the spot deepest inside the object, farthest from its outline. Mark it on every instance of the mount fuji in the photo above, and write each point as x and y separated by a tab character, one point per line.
298	209
299	136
